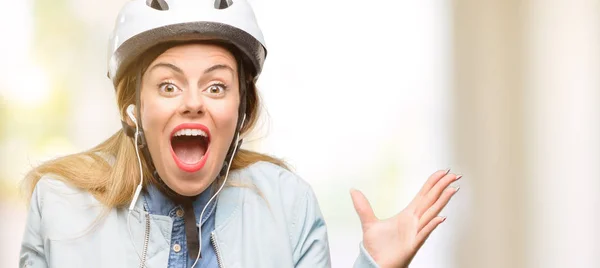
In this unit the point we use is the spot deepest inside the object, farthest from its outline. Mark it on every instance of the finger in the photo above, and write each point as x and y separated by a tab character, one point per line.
437	207
362	207
427	230
435	193
433	179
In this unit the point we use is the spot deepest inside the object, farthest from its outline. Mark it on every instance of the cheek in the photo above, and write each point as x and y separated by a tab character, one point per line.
225	115
155	115
225	119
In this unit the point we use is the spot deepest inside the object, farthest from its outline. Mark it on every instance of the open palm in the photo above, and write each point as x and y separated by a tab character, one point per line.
394	242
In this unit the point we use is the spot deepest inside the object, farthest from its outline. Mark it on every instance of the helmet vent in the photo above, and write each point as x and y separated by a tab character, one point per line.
223	4
158	4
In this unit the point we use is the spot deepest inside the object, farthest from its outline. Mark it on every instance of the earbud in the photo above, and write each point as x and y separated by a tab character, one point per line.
130	110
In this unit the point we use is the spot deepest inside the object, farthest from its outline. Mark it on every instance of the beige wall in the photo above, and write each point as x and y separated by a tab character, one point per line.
527	130
563	129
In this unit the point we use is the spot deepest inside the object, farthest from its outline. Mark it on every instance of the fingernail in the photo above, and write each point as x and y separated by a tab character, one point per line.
458	177
457	188
447	171
443	219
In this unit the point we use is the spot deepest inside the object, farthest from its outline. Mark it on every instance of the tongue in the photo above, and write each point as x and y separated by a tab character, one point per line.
188	149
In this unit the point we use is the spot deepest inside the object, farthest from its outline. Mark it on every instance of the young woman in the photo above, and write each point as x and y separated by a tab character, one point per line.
173	188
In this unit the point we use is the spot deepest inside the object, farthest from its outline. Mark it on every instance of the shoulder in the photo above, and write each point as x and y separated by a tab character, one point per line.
278	188
53	188
273	182
265	173
61	207
292	198
52	185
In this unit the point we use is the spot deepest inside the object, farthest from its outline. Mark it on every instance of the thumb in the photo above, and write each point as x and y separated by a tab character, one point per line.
362	207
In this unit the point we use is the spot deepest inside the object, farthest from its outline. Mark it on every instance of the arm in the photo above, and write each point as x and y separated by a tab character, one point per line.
312	247
32	246
364	260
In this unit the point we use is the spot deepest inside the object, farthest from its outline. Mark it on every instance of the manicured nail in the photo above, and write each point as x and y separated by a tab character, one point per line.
443	219
457	188
447	171
458	177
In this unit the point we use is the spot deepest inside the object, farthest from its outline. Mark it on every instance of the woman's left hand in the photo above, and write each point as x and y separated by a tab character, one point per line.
394	242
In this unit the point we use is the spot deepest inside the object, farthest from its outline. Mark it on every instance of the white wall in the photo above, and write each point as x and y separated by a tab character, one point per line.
564	133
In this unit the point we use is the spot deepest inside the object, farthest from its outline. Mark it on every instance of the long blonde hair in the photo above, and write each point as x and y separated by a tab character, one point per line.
109	171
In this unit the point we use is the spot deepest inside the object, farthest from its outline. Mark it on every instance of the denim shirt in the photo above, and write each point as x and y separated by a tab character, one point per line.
159	204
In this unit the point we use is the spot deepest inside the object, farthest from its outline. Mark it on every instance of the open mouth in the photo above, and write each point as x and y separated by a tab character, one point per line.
189	146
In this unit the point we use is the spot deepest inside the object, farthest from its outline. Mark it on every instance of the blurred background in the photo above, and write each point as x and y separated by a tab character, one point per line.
374	95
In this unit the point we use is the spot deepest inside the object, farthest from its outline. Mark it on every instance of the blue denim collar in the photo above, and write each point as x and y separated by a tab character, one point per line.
159	204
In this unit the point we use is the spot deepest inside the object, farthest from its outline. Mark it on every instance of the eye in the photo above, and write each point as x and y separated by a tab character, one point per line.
168	88
216	89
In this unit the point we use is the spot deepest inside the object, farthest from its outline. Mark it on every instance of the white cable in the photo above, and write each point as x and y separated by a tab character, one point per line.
217	193
137	191
131	237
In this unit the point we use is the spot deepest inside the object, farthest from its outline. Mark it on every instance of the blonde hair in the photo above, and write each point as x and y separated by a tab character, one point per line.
109	171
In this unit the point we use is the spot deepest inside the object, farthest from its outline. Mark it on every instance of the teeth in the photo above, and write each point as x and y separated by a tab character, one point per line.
190	132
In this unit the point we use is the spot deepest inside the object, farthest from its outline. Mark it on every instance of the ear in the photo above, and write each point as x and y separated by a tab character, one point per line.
129	116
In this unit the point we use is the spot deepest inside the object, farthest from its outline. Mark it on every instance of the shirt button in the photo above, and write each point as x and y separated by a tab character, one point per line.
179	213
176	248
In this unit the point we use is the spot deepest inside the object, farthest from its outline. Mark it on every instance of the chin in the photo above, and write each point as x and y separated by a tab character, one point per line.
188	187
187	183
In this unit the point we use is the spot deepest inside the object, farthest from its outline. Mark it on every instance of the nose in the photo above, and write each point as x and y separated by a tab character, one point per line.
192	103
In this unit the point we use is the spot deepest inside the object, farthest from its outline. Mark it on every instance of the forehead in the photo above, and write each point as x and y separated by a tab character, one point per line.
196	56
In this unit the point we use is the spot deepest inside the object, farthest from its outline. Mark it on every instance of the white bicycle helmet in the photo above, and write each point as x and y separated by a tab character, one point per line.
142	24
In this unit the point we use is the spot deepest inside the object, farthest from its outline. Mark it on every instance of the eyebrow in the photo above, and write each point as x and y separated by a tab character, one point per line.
219	67
178	70
167	65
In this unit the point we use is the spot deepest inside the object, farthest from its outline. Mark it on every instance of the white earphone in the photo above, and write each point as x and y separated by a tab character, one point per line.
130	110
